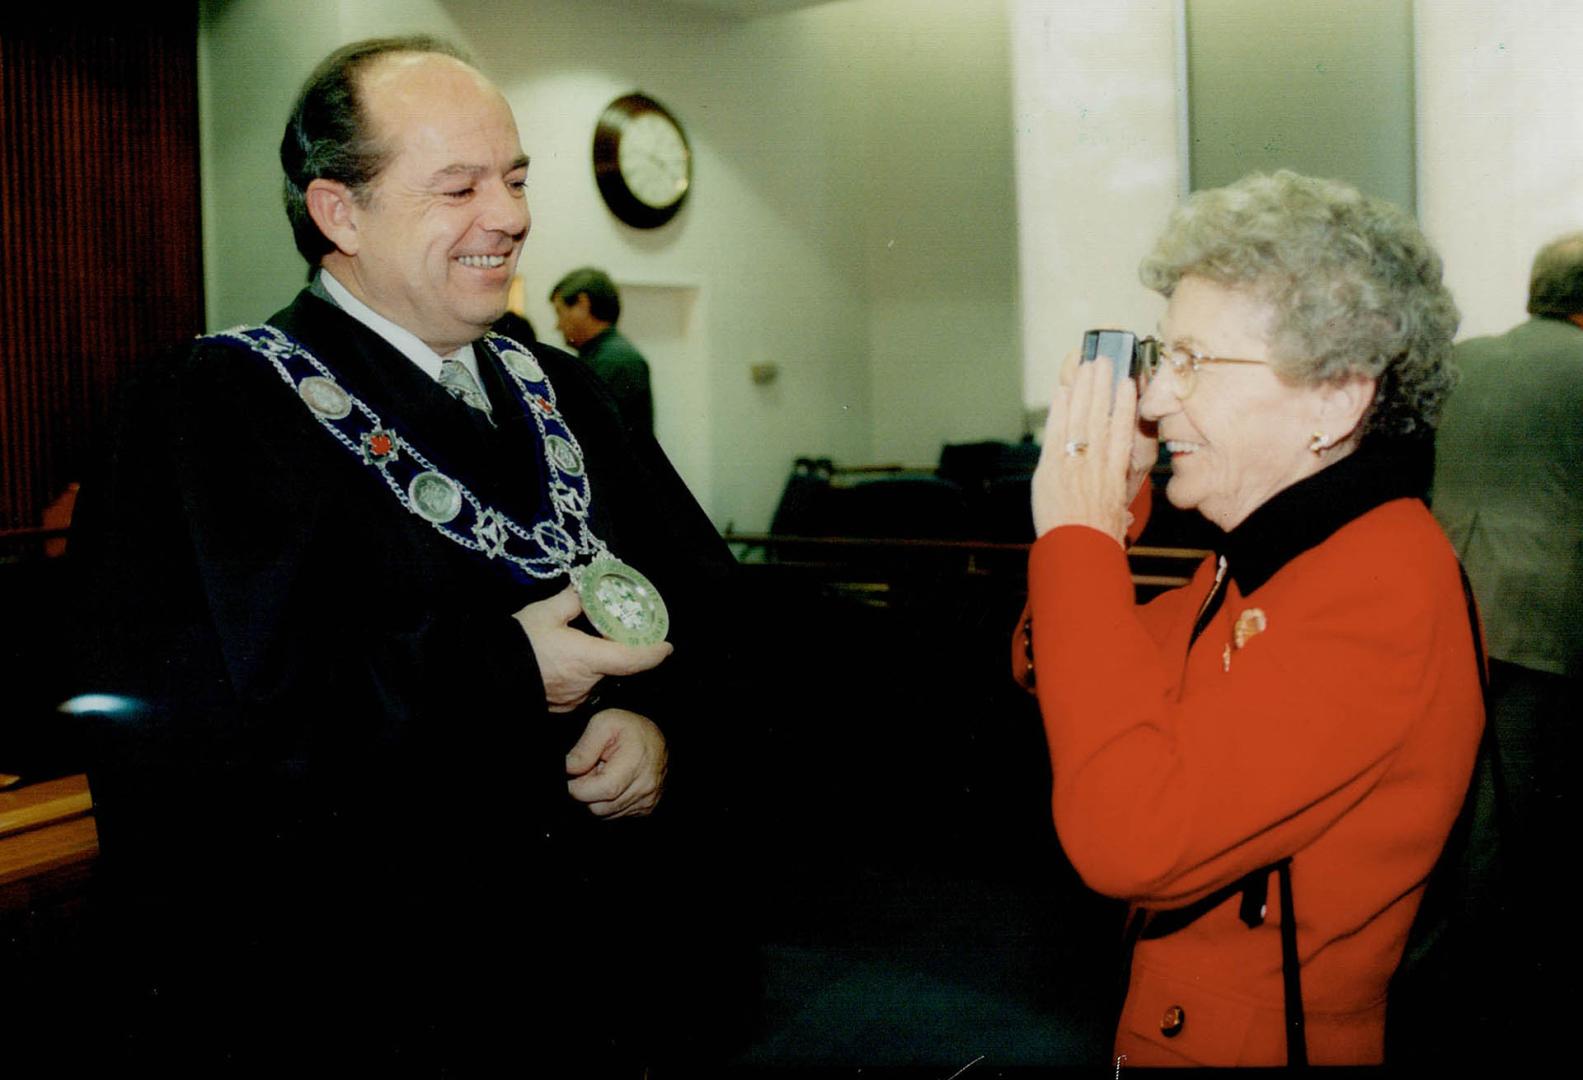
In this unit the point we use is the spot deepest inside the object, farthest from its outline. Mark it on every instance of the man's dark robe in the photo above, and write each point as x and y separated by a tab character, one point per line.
346	807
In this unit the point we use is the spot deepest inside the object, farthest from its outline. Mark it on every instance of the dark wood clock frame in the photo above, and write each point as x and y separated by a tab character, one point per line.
612	125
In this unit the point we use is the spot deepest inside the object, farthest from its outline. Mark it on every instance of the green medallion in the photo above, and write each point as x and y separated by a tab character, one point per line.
622	604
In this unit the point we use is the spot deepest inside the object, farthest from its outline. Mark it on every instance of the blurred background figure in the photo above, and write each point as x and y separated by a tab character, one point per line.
587	306
1509	492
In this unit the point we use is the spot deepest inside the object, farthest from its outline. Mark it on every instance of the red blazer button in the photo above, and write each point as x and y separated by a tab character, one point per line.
1172	1022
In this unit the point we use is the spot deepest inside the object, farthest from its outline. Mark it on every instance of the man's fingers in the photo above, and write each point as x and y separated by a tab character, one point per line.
597	786
593	742
552	611
565	605
614	658
617	767
605	799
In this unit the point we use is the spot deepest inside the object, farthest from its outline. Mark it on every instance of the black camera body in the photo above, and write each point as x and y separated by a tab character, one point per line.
1124	349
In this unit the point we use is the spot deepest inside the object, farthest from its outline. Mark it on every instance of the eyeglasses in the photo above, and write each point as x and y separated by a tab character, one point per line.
1154	354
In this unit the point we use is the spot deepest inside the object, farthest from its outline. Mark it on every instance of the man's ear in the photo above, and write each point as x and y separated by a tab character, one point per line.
1345	404
333	210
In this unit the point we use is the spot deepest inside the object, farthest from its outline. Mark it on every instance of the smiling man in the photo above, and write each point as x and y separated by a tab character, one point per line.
352	567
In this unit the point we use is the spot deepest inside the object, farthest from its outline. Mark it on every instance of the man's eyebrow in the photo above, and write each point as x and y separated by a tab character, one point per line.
466	171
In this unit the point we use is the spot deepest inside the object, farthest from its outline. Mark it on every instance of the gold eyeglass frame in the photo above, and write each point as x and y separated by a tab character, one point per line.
1153	355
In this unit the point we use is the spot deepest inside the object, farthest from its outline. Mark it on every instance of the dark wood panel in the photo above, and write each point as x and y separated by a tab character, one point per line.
100	261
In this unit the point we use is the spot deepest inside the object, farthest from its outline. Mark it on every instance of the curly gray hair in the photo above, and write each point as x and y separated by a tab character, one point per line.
1354	283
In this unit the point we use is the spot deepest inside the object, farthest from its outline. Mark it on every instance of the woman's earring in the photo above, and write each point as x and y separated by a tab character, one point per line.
1319	443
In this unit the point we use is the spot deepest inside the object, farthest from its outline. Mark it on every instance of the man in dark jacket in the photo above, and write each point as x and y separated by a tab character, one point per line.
587	306
1509	493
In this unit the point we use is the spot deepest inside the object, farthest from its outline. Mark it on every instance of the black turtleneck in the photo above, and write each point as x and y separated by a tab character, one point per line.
1306	514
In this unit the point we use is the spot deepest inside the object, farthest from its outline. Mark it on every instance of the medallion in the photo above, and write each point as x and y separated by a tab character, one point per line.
324	397
622	604
522	365
564	455
434	497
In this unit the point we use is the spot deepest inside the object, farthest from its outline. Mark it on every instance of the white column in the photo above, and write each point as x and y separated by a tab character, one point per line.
1099	167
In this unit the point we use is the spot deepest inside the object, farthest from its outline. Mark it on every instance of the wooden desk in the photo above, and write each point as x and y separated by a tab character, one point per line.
46	831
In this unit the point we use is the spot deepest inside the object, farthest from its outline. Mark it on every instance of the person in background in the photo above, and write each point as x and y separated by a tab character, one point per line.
587	306
1509	492
1266	762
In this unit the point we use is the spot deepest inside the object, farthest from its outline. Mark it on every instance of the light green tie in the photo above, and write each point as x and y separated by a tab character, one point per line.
456	379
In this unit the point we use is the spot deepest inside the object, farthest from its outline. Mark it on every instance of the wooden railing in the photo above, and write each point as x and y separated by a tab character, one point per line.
44	828
28	541
981	555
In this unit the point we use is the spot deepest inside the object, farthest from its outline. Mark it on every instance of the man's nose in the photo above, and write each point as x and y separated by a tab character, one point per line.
507	212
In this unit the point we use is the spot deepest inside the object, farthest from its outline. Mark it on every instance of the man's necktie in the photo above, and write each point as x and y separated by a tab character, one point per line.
456	379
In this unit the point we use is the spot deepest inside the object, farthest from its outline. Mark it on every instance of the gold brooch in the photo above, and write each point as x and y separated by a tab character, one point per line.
1250	624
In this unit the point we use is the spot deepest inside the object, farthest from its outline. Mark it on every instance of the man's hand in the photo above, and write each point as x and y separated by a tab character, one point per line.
571	663
618	766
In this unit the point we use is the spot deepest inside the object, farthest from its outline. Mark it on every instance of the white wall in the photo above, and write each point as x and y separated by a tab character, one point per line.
926	93
252	57
1097	115
1500	143
850	221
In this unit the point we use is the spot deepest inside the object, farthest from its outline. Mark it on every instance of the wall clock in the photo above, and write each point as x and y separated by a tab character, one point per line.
642	162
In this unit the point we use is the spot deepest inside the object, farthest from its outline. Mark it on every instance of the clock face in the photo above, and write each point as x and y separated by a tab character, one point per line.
642	162
653	160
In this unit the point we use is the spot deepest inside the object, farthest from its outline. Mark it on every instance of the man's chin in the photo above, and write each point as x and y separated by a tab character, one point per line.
485	315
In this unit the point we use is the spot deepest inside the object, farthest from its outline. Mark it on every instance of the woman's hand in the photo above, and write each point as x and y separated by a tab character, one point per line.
1095	458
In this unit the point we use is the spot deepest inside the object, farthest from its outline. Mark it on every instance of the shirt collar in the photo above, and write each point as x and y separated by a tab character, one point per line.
1306	514
592	344
402	340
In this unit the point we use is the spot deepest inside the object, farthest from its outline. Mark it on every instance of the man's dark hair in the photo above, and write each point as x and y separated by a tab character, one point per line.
1555	289
604	302
328	135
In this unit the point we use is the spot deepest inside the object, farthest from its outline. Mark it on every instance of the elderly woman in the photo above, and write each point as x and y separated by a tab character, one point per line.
1266	762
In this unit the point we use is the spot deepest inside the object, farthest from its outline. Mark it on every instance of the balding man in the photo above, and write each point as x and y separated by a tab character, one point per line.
408	614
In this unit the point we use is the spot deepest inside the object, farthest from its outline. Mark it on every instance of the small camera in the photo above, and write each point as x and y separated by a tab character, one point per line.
1124	349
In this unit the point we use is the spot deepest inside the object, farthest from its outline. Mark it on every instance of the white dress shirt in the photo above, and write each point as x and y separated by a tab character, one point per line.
402	340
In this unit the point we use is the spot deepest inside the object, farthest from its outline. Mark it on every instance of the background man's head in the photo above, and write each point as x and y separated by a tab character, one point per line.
1555	288
405	179
586	304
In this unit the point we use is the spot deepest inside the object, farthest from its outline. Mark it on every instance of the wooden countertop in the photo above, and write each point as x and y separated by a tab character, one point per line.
45	827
